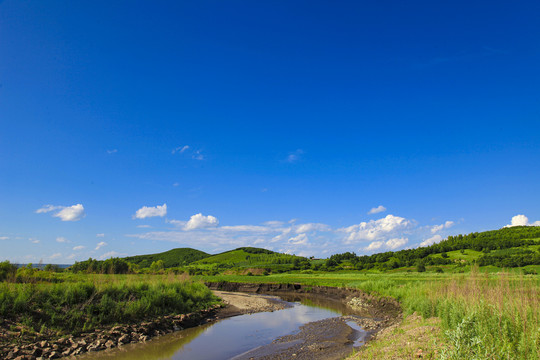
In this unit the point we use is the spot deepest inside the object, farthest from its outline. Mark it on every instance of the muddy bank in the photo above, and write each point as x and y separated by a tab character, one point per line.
326	339
240	303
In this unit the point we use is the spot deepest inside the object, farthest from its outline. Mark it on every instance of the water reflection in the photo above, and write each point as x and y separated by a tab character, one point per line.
229	337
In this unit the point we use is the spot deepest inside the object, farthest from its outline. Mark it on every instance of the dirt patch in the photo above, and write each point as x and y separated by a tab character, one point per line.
241	303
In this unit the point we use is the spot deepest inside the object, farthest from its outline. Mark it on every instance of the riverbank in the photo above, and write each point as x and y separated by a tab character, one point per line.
332	338
237	303
45	347
23	346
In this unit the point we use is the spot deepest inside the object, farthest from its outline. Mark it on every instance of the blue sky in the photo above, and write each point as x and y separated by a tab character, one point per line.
136	127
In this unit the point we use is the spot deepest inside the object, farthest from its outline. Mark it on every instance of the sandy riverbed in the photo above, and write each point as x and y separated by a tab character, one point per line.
241	303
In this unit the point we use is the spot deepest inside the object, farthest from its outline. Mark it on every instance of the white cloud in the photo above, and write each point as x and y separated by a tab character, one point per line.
437	228
199	221
300	239
180	149
55	256
247	228
393	244
4	237
34	240
303	228
375	229
376	210
143	226
100	245
273	223
110	254
151	211
197	155
522	220
112	151
47	208
79	248
65	213
176	184
100	235
432	240
294	156
374	246
61	239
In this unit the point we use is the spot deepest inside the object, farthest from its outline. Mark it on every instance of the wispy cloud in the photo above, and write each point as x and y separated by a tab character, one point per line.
204	232
446	225
112	151
34	241
391	244
376	210
100	245
198	155
4	237
180	149
79	248
65	213
294	156
376	229
110	254
151	211
100	235
62	239
432	240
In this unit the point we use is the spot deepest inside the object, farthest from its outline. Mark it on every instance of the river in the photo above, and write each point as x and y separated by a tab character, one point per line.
235	337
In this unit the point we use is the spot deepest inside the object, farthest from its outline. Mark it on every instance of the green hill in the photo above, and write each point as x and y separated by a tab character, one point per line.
171	258
507	247
249	257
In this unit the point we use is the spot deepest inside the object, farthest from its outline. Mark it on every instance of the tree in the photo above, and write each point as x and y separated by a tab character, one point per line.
420	267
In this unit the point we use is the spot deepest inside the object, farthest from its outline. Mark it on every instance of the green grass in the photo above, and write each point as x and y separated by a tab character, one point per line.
83	302
242	259
171	258
486	315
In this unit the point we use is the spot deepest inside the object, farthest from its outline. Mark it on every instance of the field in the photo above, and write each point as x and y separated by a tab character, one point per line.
485	315
478	293
71	303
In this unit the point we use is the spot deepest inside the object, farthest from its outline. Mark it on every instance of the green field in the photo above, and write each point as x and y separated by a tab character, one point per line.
71	303
483	287
485	315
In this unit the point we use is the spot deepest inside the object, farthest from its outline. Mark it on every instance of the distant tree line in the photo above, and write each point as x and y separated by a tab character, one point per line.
505	238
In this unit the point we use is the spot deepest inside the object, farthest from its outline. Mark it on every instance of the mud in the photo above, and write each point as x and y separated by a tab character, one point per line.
241	303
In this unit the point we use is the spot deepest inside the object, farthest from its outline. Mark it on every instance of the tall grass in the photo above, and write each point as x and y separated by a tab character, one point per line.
489	318
485	315
81	303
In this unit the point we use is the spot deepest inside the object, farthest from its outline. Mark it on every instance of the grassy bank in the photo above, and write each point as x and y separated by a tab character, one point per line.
484	315
75	303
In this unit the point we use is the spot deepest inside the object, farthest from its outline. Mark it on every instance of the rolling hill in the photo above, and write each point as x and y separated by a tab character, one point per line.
171	258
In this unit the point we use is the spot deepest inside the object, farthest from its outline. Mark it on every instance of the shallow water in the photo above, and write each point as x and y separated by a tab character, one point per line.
230	337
